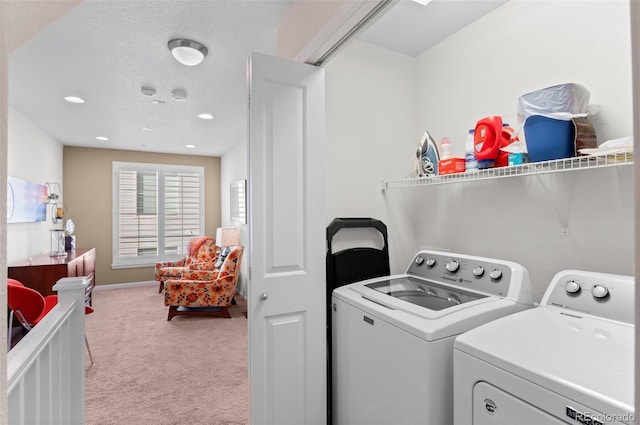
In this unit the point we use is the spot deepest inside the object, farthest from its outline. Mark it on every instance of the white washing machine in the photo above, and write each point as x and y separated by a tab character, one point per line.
569	360
393	337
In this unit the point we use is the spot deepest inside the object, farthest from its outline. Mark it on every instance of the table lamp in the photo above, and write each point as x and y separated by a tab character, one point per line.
226	237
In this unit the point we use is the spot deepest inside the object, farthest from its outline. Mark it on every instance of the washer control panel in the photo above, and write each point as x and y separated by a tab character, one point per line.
600	294
486	275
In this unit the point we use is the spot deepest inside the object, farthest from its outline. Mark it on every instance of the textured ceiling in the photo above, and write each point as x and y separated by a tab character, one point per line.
105	51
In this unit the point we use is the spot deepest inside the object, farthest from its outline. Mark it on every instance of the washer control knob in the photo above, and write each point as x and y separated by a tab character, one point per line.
495	274
599	291
419	260
573	287
431	262
453	266
478	271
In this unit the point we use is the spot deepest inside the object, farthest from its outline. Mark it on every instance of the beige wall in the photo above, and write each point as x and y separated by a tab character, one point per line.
88	201
303	21
311	28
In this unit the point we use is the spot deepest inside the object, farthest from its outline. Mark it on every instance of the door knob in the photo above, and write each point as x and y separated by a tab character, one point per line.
264	296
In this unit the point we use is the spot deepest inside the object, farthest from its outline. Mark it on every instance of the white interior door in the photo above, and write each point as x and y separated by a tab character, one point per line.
286	291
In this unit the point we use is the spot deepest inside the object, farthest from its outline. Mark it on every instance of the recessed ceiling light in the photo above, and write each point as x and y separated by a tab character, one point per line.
104	139
147	129
205	116
187	52
190	146
423	2
74	99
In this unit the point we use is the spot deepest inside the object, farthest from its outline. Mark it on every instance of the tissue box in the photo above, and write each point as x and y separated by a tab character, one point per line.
451	166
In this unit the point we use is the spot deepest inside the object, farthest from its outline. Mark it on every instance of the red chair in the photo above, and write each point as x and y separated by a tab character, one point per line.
30	307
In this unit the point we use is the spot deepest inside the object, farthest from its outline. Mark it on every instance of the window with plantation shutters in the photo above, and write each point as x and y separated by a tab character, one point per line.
157	209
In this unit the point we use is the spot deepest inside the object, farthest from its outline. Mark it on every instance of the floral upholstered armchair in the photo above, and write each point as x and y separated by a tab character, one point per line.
205	292
202	254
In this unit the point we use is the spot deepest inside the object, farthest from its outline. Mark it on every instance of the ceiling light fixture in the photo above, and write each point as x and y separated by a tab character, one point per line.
147	129
74	99
190	146
187	52
423	2
102	138
205	116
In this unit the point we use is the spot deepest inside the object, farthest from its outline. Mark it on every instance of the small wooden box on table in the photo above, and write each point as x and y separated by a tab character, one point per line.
42	272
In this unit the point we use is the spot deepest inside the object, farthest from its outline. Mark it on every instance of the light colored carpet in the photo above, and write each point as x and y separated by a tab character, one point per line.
191	370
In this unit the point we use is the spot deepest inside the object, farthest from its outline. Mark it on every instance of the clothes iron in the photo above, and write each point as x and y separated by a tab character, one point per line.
428	156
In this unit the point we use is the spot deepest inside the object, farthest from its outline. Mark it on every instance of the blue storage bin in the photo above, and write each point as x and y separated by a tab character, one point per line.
549	139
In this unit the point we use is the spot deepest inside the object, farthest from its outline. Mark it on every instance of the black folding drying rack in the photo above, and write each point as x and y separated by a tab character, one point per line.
348	266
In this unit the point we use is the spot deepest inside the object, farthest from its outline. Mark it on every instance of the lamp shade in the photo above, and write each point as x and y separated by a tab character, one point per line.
227	236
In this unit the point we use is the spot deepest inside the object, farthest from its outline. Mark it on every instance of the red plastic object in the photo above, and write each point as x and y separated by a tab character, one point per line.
487	138
451	166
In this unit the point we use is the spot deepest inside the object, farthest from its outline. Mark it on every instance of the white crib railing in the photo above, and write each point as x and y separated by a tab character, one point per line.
45	370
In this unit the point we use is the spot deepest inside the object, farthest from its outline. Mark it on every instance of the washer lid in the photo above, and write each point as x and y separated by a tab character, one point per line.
585	358
425	323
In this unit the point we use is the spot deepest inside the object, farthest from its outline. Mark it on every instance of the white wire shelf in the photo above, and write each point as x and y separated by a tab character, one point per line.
558	165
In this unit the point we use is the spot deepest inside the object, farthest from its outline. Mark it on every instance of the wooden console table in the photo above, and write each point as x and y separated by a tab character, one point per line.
42	272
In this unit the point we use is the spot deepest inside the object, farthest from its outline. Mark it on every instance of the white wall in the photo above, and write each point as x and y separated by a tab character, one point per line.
524	46
4	120
371	115
36	157
233	167
582	219
18	22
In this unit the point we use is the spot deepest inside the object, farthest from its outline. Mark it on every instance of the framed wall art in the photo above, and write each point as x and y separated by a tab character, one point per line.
26	201
238	194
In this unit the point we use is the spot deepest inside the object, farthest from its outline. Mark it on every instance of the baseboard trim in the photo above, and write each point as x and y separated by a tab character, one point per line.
124	285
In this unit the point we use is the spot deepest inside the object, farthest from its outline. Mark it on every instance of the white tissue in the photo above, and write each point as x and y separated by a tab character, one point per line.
620	145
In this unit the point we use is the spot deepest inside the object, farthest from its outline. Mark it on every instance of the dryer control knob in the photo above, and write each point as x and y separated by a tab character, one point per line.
419	260
431	262
599	291
495	274
478	271
453	266
573	287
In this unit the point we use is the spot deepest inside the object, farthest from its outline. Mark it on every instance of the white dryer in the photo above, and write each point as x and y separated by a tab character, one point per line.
569	360
393	336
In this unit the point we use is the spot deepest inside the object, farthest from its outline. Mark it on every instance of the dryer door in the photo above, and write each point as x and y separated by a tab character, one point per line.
492	406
